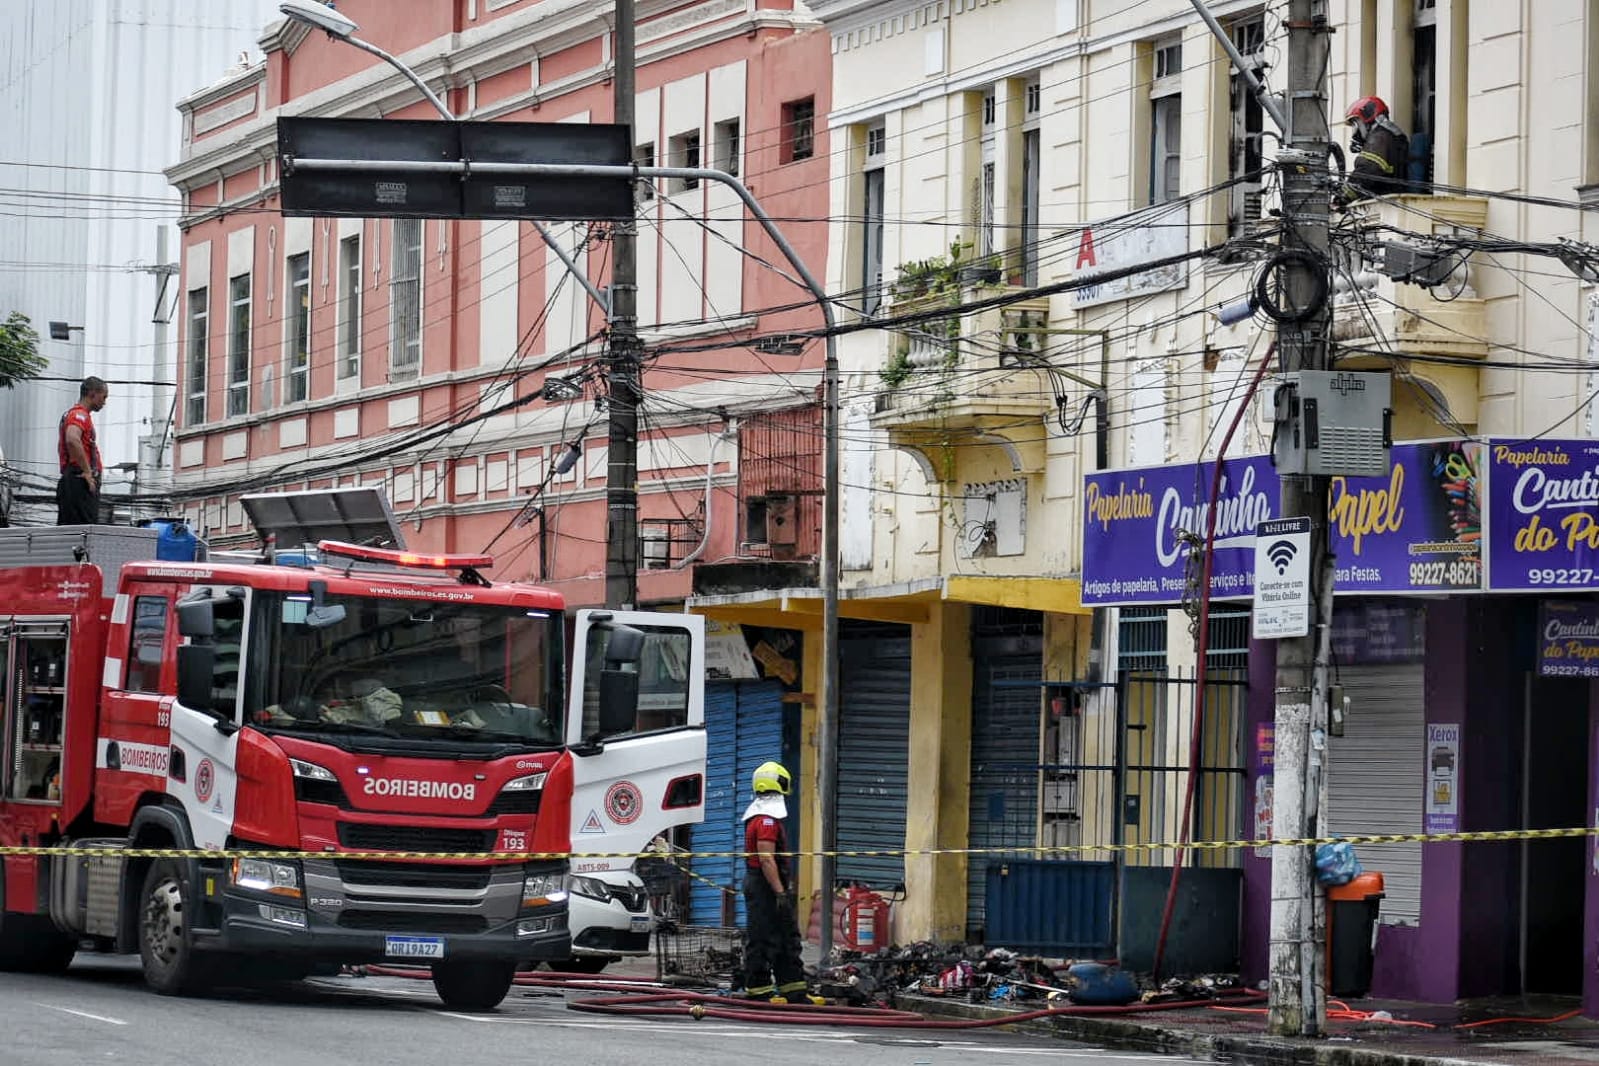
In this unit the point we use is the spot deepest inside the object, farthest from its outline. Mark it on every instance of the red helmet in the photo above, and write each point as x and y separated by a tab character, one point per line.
1367	109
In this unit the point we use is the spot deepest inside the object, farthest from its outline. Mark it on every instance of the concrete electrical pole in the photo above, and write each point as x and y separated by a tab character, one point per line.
621	482
1297	992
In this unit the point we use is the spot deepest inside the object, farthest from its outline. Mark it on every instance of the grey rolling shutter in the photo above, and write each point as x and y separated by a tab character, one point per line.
873	751
1377	781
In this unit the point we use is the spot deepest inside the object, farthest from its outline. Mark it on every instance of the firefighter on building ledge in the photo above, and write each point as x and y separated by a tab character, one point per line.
1380	150
772	966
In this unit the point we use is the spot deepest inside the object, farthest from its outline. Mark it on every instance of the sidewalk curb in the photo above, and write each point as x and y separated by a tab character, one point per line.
1142	1036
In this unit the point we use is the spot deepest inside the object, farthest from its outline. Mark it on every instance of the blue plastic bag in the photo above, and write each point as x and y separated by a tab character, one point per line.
1336	863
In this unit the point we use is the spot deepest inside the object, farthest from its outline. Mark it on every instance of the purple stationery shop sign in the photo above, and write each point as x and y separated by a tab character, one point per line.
1543	515
1418	529
1133	549
1568	638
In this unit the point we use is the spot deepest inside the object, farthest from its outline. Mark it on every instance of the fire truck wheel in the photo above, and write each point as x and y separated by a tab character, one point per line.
32	944
171	966
473	985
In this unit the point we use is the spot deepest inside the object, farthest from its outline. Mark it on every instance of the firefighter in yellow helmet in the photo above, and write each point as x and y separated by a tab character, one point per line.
772	967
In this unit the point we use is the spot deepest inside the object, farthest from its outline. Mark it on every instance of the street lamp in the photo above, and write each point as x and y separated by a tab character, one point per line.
322	17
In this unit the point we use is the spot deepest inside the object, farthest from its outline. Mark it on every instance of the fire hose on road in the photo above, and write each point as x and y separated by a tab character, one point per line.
643	997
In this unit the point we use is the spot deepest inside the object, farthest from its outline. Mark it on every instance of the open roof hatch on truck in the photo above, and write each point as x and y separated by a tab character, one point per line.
303	519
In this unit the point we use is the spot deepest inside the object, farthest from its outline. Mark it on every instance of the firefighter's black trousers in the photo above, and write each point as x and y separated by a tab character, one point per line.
772	942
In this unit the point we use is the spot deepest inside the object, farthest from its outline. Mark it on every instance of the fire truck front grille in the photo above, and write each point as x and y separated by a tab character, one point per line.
364	873
516	803
406	922
362	837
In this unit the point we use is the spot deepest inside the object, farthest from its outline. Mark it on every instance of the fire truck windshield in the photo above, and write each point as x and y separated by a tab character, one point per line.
420	670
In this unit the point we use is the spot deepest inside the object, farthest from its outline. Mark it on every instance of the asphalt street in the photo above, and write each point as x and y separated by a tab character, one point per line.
101	1012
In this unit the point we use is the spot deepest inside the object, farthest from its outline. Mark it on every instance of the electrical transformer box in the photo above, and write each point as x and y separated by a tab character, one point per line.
1333	423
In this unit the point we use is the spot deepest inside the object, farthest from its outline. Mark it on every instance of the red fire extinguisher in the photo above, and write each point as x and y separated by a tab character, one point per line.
864	920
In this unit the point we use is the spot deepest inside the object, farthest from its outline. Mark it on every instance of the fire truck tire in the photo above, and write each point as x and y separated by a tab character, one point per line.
32	944
473	985
171	965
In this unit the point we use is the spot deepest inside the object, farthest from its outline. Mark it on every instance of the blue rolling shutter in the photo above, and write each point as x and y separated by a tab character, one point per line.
744	728
873	752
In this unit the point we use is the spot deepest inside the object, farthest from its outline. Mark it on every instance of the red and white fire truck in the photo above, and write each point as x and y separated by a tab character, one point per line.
371	700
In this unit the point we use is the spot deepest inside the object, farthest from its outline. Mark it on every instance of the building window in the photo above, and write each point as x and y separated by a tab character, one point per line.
872	216
350	308
1166	124
1246	139
239	346
1424	91
199	355
644	156
405	298
1032	162
799	130
988	178
684	150
727	146
299	309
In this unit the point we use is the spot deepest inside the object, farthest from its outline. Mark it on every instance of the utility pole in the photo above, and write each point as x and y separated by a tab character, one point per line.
621	481
152	445
1297	993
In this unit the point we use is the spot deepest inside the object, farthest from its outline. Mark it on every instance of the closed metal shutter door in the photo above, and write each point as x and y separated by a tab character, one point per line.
744	728
873	751
719	830
1376	783
1006	671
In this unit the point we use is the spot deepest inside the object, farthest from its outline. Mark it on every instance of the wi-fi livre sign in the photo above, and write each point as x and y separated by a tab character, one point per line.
1282	579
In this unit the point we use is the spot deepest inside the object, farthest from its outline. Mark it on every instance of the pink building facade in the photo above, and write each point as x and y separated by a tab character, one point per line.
454	363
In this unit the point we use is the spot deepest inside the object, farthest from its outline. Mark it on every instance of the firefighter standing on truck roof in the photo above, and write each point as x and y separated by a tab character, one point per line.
78	491
772	967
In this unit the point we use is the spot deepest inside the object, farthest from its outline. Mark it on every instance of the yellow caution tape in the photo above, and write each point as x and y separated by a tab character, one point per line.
1013	852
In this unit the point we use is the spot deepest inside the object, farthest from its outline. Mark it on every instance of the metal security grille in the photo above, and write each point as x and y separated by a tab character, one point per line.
1007	701
873	752
1158	713
1141	638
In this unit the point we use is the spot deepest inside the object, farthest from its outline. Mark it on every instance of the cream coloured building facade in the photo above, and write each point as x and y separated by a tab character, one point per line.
1050	140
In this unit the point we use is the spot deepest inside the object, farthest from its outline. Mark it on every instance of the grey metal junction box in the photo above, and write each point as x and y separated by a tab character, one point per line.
1333	423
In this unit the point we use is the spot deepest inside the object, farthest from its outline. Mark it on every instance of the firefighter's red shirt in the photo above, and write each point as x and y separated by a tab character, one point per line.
78	415
765	828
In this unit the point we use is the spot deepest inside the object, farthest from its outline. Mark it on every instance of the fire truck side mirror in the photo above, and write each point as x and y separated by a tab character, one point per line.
196	619
618	701
196	676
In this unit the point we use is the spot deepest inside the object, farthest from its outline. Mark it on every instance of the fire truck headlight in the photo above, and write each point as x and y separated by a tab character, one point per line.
312	771
539	890
530	783
262	875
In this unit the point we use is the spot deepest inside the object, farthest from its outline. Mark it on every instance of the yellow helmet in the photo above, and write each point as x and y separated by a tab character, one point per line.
771	777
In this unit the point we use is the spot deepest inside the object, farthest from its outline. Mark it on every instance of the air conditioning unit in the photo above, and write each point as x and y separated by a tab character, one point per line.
772	522
655	549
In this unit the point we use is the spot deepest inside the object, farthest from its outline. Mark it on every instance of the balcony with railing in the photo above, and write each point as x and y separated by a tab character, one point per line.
957	373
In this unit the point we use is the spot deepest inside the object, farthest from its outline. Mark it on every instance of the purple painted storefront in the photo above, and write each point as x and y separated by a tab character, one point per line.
1516	769
1494	546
